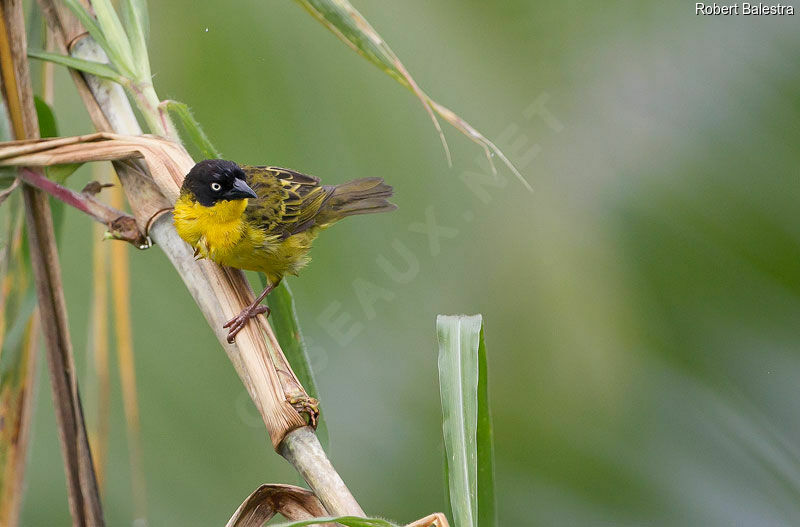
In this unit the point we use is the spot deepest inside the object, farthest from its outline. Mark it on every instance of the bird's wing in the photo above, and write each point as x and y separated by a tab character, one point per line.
288	201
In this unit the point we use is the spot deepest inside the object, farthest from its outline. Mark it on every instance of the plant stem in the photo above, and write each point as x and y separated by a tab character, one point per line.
84	497
121	226
302	449
158	122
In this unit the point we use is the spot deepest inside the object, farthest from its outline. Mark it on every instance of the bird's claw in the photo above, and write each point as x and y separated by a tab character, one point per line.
237	323
305	404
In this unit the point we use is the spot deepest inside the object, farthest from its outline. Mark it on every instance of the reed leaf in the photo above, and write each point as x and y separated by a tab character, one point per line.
18	343
137	26
287	329
84	497
123	327
87	66
192	127
466	421
121	50
293	503
100	383
17	358
487	506
350	26
94	29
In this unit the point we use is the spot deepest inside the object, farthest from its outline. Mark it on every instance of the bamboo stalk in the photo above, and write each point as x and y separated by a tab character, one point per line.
84	497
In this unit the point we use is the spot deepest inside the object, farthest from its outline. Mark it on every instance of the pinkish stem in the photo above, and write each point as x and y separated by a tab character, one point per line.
121	226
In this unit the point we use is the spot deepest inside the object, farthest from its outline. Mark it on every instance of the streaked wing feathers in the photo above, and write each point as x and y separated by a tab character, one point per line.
288	201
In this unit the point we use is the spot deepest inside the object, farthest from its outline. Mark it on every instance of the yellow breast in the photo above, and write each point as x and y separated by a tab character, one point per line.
222	234
218	232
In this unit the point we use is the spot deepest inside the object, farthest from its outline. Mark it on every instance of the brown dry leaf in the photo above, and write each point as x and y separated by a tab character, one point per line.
294	503
437	519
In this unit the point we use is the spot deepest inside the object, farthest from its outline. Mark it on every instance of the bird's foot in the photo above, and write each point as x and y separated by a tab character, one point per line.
238	322
305	404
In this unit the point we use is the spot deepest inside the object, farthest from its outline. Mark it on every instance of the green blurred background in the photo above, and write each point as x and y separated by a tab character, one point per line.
641	307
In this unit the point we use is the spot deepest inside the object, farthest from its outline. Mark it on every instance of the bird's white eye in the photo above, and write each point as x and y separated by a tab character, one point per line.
216	186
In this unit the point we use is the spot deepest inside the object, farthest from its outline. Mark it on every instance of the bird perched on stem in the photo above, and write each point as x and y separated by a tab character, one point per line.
264	219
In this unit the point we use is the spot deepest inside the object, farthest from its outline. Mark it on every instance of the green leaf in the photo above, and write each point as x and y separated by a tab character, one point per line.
350	26
89	66
137	25
193	128
117	39
58	173
287	331
487	505
90	24
348	521
466	421
47	121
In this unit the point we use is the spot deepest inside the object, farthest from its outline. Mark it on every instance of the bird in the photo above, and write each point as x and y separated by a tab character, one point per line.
265	218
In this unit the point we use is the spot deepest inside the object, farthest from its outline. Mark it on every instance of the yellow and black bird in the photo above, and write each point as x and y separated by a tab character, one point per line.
262	218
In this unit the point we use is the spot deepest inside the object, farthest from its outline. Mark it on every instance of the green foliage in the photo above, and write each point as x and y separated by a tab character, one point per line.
87	66
137	26
350	26
193	129
98	33
287	330
466	423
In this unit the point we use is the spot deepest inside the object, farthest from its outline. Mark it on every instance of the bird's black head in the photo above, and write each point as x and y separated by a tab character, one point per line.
215	180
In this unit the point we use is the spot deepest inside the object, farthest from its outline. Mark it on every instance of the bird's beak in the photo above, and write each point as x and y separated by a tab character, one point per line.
240	190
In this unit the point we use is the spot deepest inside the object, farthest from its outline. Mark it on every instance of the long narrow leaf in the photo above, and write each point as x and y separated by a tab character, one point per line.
95	68
17	348
90	24
464	410
287	330
134	14
115	35
193	128
123	327
487	511
344	21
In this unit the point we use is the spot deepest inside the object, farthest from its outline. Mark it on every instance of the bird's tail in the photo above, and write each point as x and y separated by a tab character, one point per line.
360	196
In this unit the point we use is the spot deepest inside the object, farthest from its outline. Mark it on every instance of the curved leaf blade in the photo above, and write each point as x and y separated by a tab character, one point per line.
193	128
350	26
287	330
137	26
115	35
89	22
88	66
